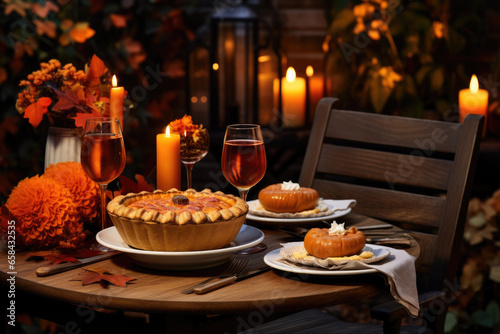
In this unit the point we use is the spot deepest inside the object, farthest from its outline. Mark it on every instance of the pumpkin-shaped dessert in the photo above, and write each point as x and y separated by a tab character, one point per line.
288	197
322	243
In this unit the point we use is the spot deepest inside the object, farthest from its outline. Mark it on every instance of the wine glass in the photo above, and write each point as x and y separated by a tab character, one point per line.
243	157
103	154
194	147
244	162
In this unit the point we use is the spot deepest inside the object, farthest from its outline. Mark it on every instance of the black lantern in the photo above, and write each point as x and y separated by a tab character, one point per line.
242	62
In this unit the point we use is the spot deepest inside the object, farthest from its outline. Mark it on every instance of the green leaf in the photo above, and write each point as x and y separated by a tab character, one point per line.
483	318
455	42
412	106
379	94
450	322
494	310
422	73
341	22
437	79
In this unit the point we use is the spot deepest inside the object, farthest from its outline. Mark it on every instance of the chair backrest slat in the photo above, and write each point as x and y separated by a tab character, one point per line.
385	167
415	173
386	204
418	134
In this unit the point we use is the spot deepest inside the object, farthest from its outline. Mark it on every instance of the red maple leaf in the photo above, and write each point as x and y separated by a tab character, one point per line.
60	258
35	111
96	71
82	117
95	275
56	256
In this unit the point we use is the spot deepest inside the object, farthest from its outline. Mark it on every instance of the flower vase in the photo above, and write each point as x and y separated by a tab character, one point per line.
63	144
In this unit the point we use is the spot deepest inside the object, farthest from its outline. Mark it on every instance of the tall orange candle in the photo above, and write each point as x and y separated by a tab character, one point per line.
168	160
116	101
473	101
293	91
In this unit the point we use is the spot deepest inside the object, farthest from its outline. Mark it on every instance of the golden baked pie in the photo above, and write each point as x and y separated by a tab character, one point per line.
178	220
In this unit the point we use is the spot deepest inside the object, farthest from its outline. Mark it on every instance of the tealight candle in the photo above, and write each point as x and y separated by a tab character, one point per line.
116	101
473	101
168	160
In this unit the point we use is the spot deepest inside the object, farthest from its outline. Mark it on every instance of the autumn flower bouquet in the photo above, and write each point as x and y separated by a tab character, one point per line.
50	210
64	95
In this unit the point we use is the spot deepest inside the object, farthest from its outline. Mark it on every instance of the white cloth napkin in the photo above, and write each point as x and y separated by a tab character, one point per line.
343	204
398	268
401	276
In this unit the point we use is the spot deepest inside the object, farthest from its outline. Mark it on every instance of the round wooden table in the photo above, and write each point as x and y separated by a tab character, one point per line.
159	292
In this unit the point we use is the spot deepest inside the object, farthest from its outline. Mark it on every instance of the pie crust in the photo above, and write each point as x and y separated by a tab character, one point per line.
152	221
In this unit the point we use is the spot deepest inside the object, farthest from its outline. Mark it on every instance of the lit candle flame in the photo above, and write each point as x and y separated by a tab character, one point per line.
474	84
309	71
167	131
290	74
114	81
215	66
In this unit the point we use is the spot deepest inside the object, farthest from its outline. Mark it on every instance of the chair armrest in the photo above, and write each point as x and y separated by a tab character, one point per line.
393	311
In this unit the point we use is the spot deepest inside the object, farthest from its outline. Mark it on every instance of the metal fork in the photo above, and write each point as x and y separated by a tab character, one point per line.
236	266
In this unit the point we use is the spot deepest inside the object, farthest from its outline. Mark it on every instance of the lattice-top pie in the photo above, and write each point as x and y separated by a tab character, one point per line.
178	220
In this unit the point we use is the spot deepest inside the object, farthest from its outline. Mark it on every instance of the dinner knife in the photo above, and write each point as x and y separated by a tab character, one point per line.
388	241
58	268
210	286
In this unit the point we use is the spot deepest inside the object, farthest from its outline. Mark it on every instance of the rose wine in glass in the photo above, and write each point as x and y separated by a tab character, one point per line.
243	157
103	155
244	162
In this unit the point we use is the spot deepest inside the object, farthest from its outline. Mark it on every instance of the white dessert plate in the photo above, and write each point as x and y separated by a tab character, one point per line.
273	258
247	237
299	221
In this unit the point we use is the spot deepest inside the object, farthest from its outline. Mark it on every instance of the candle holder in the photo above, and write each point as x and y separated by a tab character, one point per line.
241	61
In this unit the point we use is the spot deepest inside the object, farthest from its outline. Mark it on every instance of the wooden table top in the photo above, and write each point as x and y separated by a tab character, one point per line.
156	291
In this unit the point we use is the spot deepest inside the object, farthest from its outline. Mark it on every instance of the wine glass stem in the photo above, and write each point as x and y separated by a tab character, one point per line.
243	194
189	170
103	205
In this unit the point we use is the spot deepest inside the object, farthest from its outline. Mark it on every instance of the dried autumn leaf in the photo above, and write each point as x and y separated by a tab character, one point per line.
85	253
60	258
118	21
18	7
81	117
65	100
48	28
56	256
43	10
96	71
35	111
38	256
89	276
81	32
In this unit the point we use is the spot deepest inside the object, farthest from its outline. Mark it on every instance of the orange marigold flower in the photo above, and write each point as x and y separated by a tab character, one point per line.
185	126
45	213
85	192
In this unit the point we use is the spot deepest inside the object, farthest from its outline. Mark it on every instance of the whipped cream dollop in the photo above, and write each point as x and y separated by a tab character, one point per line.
337	229
290	186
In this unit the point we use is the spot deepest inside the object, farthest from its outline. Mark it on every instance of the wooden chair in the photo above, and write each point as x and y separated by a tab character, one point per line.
414	173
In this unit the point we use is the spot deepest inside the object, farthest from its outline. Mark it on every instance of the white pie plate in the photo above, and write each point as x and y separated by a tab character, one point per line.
247	237
273	258
299	221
